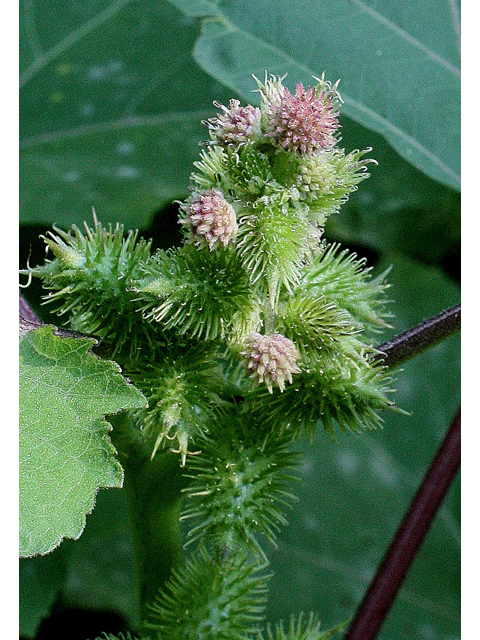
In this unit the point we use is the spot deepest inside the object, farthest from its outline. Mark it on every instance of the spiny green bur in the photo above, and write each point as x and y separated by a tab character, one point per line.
251	334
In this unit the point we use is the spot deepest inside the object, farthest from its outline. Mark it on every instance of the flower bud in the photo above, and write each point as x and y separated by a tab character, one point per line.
304	122
211	218
236	125
272	359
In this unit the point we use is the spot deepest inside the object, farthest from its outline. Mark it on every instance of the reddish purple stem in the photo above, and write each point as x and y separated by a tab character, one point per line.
26	312
408	539
425	335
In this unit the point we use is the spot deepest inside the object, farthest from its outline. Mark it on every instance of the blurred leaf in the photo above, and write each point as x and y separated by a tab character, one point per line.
354	494
398	63
398	208
40	580
96	572
65	452
101	571
111	105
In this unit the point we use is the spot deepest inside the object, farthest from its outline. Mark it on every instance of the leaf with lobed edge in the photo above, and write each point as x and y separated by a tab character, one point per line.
66	455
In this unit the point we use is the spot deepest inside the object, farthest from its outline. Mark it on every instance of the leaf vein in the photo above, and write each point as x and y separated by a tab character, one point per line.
127	122
408	37
75	36
31	29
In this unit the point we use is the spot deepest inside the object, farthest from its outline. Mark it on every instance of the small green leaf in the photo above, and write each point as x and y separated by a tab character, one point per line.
65	452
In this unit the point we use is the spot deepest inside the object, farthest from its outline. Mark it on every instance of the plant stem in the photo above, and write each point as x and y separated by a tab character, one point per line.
269	318
425	335
153	489
29	321
26	312
408	539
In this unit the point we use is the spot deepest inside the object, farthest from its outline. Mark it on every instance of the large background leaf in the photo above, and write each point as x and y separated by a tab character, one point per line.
65	452
107	119
398	63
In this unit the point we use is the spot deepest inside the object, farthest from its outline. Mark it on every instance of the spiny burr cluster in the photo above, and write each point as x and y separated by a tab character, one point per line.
254	281
268	179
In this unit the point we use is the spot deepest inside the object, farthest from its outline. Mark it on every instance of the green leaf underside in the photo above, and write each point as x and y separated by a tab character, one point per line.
65	451
398	65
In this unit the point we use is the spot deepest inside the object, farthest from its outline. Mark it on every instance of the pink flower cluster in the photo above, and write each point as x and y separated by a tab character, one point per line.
210	218
304	122
236	125
272	359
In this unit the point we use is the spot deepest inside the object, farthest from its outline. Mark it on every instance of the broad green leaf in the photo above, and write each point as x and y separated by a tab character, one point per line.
398	63
65	451
111	103
355	493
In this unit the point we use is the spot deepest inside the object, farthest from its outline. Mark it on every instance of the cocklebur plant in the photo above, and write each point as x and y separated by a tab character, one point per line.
250	335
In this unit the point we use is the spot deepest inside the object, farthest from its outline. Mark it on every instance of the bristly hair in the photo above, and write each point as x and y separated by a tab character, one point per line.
250	335
90	280
183	387
274	241
111	636
210	598
300	628
348	392
341	277
239	484
198	293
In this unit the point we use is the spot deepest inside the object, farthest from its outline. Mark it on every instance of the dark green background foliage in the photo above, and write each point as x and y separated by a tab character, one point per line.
112	96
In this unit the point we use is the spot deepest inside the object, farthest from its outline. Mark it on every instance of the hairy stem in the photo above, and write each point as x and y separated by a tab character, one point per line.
153	490
425	335
408	539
